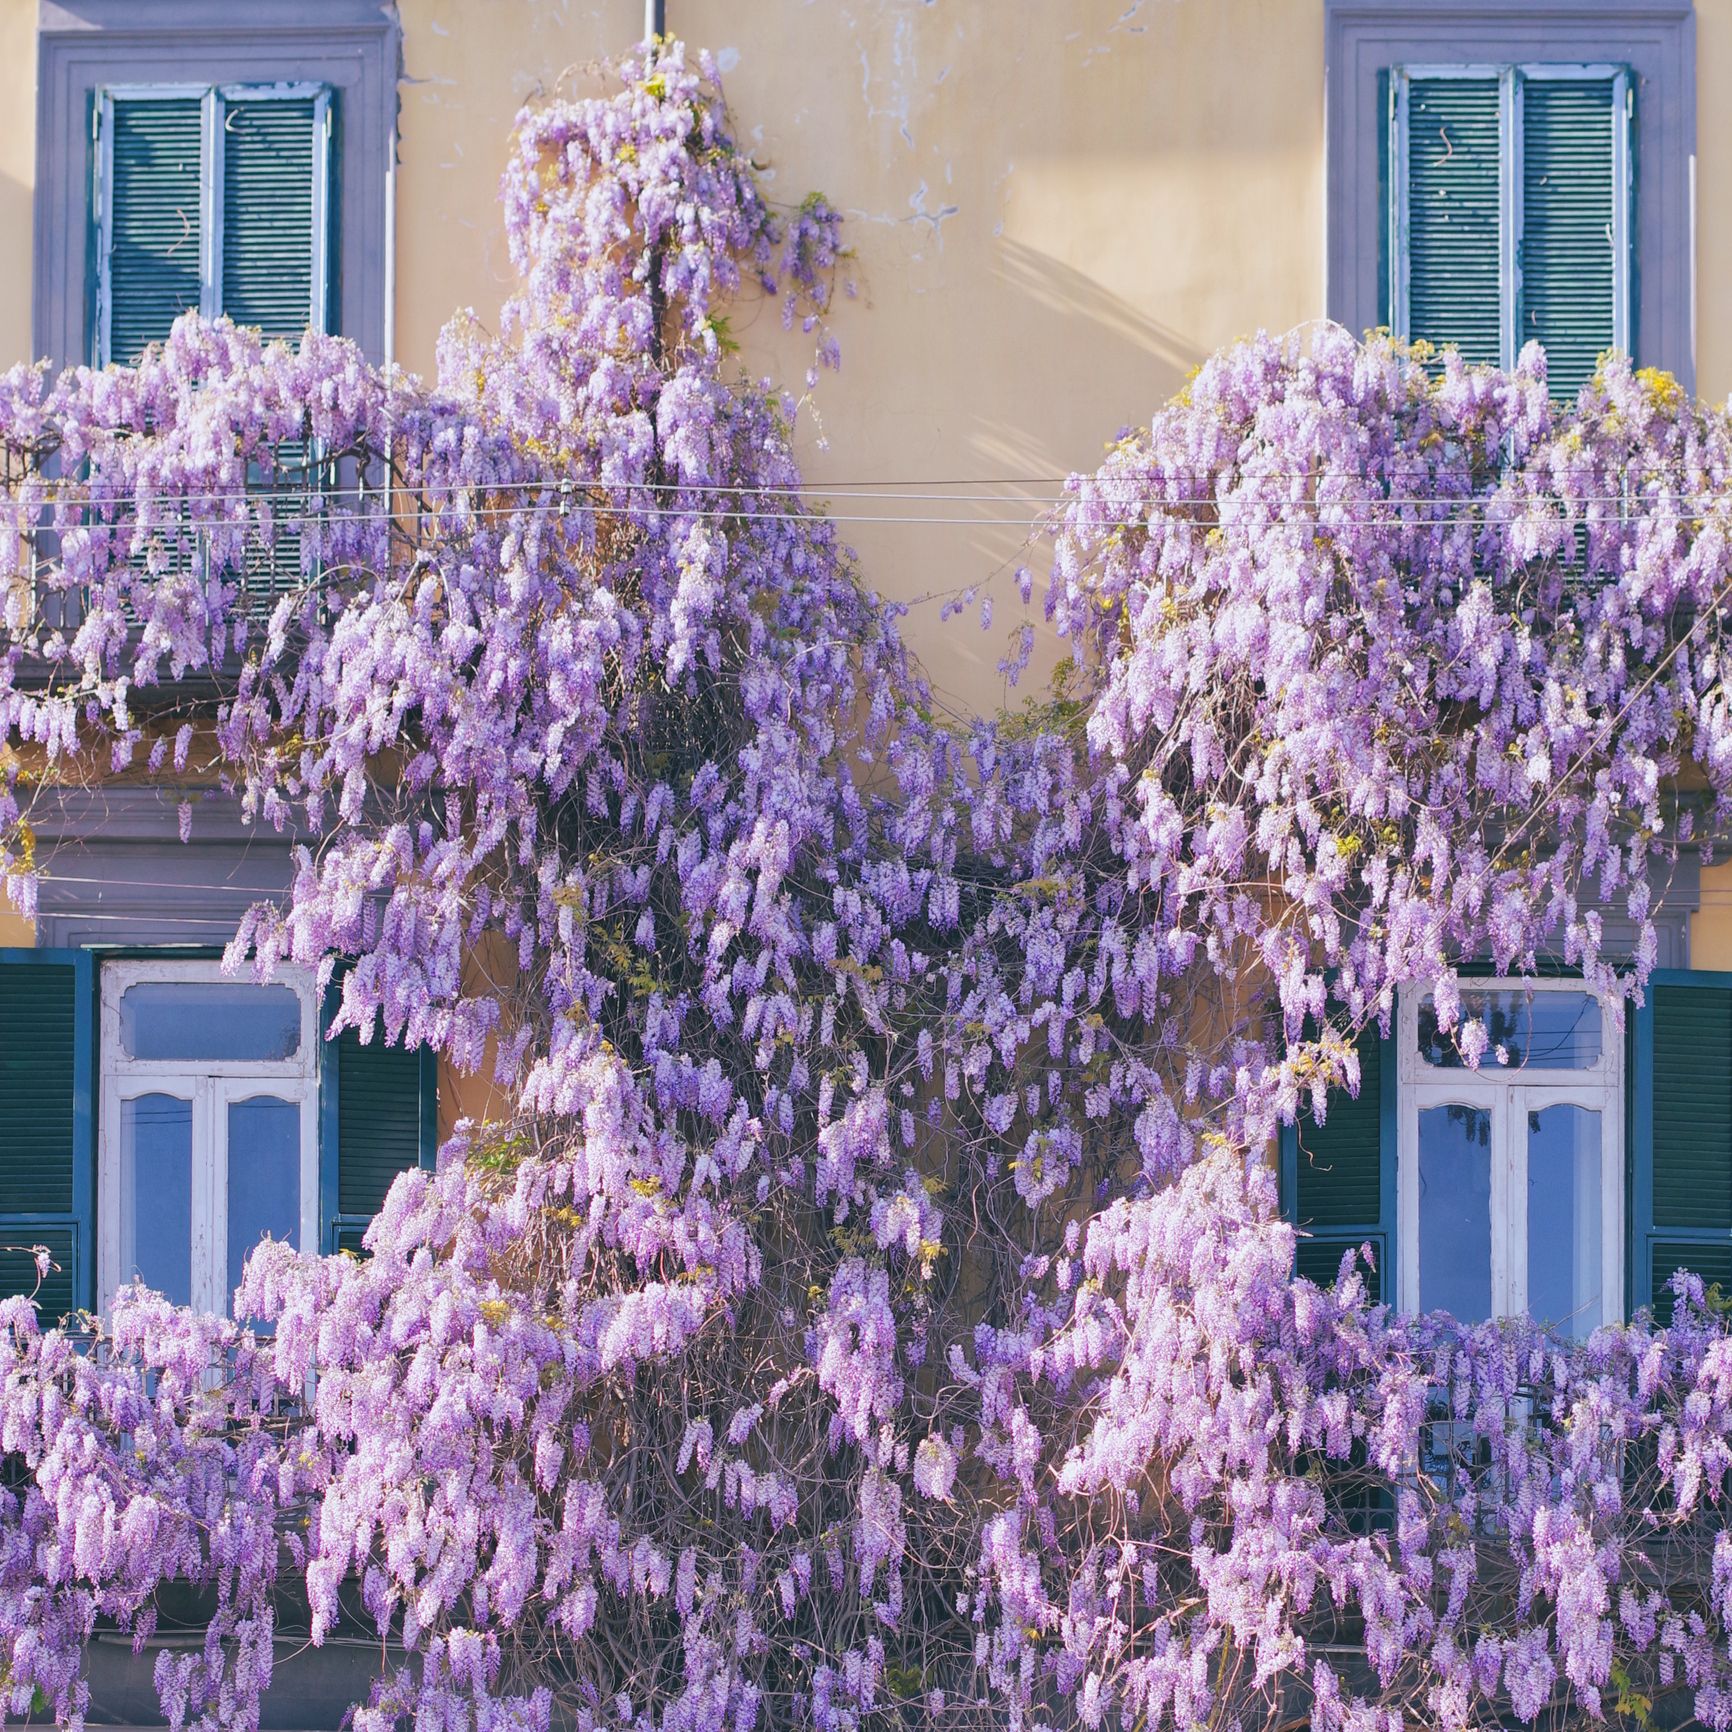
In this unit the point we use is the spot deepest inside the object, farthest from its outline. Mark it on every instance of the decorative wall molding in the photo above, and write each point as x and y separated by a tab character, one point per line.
117	873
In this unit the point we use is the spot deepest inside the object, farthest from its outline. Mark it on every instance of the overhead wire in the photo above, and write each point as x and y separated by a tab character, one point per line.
1415	512
922	489
575	499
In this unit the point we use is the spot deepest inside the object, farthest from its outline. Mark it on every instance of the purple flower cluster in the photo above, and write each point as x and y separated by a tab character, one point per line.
876	1307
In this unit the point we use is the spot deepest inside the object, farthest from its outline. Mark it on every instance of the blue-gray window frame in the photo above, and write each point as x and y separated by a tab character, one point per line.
1655	39
350	46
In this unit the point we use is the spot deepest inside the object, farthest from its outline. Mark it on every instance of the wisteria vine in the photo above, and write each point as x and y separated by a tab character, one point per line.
876	1309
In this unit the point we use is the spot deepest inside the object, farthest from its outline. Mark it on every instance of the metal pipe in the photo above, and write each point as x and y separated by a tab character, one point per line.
390	333
655	18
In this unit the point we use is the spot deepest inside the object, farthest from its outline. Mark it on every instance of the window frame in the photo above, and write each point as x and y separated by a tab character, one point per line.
1512	81
1603	1088
1654	39
213	99
211	1085
352	46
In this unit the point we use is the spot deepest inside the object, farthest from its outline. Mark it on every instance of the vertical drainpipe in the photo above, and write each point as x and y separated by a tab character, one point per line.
392	141
655	26
391	245
393	137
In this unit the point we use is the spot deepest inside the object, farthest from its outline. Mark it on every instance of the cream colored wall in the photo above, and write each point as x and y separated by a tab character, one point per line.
1058	210
1713	200
1711	924
17	174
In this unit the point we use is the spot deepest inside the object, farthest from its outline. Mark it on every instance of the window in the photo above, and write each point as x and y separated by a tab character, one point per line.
158	1117
209	1132
216	200
1503	169
1509	211
213	200
241	152
1568	1176
1511	1175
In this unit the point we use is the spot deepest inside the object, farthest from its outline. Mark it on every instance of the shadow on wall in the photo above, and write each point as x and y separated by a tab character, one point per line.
1124	364
1102	364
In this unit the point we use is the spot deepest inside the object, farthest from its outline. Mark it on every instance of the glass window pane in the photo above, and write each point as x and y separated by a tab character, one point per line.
156	1194
1541	1031
1565	1284
1563	1031
173	1020
264	1176
1455	1211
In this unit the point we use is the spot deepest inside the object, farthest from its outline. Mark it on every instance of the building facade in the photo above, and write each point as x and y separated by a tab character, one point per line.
1057	210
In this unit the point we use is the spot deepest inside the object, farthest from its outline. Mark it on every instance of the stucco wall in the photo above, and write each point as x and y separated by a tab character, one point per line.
1713	200
1711	925
17	173
1057	210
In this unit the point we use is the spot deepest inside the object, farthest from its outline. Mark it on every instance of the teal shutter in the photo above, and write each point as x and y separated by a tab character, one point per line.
273	272
1510	213
1573	231
378	1117
220	199
151	221
1338	1178
1681	1136
274	205
1448	244
47	1127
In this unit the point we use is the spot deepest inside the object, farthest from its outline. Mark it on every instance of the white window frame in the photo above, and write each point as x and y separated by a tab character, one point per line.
1512	82
212	1086
1508	1096
212	131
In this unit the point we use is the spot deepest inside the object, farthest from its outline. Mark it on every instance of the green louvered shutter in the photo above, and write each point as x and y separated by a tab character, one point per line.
257	247
273	271
1338	1178
379	1117
47	1140
1573	229
1447	244
1681	1136
273	216
151	221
